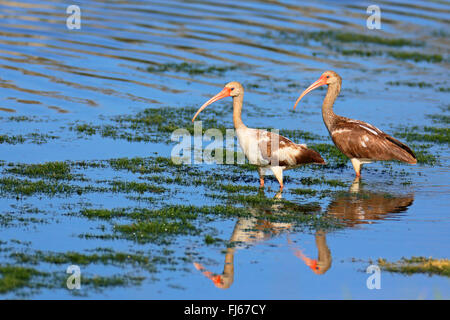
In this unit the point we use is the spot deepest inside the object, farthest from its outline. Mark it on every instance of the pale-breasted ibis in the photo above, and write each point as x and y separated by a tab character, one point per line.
266	150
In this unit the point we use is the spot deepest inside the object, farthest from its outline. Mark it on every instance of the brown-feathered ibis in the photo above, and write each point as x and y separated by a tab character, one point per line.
360	141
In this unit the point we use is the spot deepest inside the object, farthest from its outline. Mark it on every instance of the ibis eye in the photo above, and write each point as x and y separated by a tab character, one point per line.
328	77
232	89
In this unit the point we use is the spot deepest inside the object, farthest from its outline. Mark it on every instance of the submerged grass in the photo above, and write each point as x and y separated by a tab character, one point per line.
331	36
49	170
420	84
191	68
16	277
439	118
24	187
132	186
399	55
332	155
416	265
154	124
72	257
154	230
26	280
35	138
426	134
335	40
161	225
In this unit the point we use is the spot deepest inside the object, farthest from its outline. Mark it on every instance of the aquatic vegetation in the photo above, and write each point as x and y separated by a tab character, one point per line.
51	170
210	239
149	225
103	213
100	282
364	38
399	55
24	187
26	280
424	157
167	119
132	186
330	36
144	231
416	265
420	84
331	182
429	134
17	277
335	40
332	155
300	135
236	188
11	139
153	124
416	56
439	118
191	68
305	192
109	257
36	138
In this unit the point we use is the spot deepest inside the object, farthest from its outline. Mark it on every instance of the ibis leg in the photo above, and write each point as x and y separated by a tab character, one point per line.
261	177
355	185
278	172
357	166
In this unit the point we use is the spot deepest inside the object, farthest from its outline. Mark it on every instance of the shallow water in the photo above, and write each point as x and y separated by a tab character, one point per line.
134	55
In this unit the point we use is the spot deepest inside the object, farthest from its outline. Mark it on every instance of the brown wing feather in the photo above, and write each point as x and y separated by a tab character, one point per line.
358	139
283	152
403	146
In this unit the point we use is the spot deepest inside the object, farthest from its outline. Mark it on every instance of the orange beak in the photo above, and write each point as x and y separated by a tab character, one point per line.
216	279
226	92
321	82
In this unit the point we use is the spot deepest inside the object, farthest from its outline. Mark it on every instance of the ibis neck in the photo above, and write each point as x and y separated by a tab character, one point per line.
237	111
327	108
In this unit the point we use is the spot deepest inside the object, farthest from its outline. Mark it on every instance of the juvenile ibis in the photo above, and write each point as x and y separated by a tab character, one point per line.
266	150
360	141
323	261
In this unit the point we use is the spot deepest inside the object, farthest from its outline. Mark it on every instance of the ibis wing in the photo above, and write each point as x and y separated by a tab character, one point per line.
280	151
358	139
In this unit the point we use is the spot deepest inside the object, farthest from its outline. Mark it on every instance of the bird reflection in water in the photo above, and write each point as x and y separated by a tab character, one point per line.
359	206
323	261
355	207
254	229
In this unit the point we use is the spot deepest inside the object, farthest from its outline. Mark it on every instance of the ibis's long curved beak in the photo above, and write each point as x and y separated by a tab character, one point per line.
311	263
216	279
222	94
322	81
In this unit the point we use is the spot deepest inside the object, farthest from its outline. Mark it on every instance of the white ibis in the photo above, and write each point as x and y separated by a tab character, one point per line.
360	141
267	150
246	231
